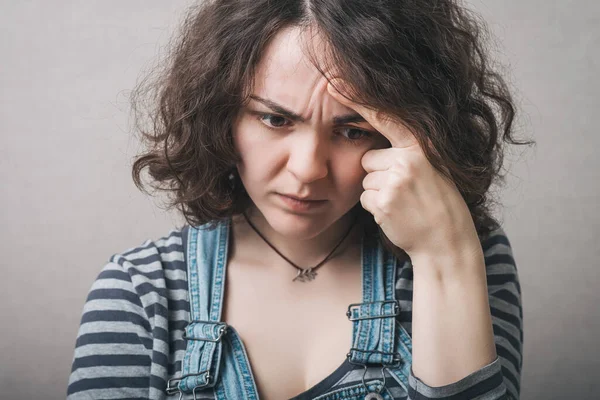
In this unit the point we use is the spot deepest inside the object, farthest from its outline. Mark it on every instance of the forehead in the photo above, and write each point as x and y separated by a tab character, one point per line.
285	72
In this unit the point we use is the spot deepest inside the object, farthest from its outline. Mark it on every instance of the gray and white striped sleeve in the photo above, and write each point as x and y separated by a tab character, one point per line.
113	350
501	378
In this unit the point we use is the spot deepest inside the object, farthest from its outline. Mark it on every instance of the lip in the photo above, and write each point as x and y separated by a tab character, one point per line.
301	205
307	198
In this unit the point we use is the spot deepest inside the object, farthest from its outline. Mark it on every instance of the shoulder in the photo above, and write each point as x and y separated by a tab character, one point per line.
155	261
496	242
500	264
151	277
131	321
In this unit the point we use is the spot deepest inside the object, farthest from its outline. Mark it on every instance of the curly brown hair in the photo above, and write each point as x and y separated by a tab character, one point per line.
424	62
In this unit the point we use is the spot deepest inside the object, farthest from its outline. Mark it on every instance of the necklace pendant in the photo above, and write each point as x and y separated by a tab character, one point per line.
305	275
373	396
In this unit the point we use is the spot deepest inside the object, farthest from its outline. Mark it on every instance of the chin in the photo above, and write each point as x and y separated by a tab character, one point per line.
296	226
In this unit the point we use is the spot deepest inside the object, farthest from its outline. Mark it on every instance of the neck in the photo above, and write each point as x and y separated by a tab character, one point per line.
306	249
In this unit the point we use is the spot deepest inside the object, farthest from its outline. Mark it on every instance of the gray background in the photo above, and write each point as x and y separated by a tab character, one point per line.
68	202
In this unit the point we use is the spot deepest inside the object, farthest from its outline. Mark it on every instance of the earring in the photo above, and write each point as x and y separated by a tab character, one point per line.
231	179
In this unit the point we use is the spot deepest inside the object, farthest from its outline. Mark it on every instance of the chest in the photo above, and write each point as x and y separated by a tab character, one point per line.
296	334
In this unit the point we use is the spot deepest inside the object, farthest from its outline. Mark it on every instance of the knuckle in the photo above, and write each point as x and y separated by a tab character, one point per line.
366	182
364	161
400	179
384	204
411	169
363	197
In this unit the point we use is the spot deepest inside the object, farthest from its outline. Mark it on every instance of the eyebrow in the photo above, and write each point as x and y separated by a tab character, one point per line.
352	118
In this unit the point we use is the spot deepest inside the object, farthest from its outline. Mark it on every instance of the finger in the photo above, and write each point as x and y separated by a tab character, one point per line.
380	159
385	159
396	133
376	180
368	200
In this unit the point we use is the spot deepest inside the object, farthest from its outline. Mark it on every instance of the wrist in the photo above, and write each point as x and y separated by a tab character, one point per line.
449	263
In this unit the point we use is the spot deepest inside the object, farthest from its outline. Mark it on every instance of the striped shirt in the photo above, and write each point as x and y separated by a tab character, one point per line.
130	340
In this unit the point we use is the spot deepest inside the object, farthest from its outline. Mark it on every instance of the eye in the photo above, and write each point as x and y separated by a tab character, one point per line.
278	121
353	131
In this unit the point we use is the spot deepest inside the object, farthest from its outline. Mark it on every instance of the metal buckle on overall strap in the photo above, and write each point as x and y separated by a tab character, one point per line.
362	311
173	383
358	306
396	359
369	311
222	330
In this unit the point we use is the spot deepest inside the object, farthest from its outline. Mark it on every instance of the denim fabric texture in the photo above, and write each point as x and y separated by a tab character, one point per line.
216	360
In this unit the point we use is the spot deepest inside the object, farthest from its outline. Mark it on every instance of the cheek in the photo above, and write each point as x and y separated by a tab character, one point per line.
256	167
246	140
350	176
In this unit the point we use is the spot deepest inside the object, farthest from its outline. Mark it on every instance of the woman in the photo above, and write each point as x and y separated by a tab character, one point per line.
339	242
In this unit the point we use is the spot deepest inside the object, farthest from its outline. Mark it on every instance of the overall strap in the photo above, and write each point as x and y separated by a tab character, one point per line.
206	256
401	371
373	320
377	337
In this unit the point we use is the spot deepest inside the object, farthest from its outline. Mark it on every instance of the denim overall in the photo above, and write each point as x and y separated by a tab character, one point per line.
216	360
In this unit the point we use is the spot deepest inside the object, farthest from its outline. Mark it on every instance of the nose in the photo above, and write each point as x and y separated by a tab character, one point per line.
308	158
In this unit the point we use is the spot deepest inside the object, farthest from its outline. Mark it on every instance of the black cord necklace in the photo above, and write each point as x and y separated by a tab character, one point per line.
304	274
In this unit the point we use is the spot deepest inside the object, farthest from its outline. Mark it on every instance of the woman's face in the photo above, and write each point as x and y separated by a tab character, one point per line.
306	156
